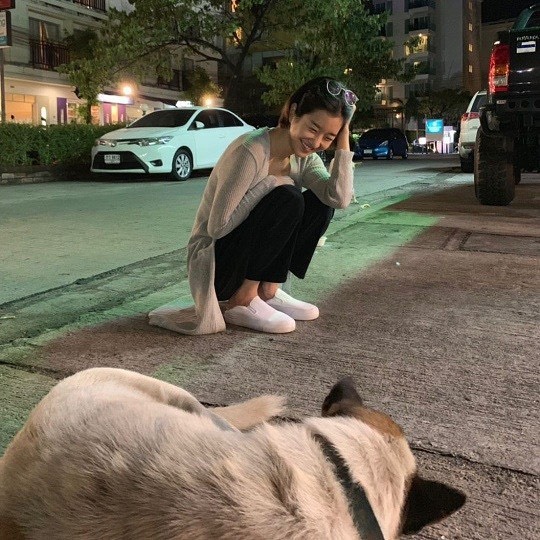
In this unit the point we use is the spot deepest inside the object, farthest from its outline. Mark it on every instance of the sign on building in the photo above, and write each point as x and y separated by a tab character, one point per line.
5	29
435	129
7	4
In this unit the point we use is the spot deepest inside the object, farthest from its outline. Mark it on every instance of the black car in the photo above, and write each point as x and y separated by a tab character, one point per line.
382	143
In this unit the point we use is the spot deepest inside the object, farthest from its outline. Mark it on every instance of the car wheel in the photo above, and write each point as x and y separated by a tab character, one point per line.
182	165
375	157
517	173
494	181
467	164
390	154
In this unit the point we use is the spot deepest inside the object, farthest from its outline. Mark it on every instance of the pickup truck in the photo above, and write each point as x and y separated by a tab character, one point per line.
508	140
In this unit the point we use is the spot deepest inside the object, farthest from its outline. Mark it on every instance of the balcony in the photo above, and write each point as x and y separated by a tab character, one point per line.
47	54
421	24
419	5
97	5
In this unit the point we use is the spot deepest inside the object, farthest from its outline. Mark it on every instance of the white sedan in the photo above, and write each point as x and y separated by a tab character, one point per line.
174	141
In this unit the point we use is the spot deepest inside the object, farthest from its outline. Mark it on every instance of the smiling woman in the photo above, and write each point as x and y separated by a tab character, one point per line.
267	202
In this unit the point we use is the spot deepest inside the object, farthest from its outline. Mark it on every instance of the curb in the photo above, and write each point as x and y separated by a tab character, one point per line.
38	174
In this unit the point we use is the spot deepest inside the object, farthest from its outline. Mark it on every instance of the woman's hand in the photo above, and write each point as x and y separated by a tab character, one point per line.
342	139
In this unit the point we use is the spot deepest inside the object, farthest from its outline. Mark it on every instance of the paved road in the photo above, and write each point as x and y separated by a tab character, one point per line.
430	301
56	233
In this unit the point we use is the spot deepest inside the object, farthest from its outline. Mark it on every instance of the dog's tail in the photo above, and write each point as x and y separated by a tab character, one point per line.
252	412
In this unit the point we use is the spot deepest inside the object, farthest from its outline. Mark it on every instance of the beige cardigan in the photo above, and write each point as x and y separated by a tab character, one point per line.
237	183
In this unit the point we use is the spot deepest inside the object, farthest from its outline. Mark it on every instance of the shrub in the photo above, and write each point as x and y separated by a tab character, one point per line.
63	144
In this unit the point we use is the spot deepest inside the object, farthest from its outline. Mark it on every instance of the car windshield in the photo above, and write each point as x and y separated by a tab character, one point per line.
166	118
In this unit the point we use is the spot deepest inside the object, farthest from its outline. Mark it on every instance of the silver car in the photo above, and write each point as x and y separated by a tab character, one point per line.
470	122
174	141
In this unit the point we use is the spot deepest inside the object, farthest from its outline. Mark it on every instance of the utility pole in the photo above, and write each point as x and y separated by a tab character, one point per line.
5	41
2	87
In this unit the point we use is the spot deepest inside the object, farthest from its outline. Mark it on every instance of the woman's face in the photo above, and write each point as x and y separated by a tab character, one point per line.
313	132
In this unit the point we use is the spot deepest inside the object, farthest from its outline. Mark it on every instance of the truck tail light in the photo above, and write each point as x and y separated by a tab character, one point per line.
498	68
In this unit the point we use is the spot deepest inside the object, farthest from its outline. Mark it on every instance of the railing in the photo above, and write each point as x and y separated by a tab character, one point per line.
47	54
414	4
415	25
98	5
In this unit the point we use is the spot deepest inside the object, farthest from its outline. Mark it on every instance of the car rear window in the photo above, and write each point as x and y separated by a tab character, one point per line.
534	20
479	101
166	118
388	133
374	134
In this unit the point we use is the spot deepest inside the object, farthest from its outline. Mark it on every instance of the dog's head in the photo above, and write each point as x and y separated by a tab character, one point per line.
424	501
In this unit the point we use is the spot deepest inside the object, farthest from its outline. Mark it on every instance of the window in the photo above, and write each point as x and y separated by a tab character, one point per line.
534	20
470	27
470	47
209	118
422	45
44	31
226	119
470	68
165	118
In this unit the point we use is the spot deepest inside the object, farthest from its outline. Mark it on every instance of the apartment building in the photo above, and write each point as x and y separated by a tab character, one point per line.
34	92
446	53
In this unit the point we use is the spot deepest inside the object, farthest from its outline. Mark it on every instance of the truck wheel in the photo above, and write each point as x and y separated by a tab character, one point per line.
467	165
494	182
517	174
182	165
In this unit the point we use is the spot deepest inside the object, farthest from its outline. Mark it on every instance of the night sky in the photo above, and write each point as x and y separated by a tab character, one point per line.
495	10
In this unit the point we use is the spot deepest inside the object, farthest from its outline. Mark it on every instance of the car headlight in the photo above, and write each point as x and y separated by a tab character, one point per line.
152	141
104	142
384	143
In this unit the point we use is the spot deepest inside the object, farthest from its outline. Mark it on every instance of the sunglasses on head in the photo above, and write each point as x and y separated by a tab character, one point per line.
334	88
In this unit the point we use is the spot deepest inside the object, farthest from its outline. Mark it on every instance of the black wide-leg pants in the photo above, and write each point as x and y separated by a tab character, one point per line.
279	235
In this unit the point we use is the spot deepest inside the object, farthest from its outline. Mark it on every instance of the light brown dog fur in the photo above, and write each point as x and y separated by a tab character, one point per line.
110	454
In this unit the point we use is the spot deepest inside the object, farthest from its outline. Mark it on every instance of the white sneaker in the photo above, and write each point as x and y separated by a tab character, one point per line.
260	316
301	311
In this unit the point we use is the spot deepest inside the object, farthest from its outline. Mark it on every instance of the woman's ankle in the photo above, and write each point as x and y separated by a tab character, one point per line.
244	295
267	290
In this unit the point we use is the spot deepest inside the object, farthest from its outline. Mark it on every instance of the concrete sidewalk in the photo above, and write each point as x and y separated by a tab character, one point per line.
432	304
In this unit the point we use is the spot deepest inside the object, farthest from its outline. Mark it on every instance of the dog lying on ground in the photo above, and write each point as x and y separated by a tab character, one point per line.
111	454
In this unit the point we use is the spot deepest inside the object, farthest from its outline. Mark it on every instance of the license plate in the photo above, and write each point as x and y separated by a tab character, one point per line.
368	151
111	159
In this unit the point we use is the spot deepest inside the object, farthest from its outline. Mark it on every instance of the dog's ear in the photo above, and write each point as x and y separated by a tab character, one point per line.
429	501
342	396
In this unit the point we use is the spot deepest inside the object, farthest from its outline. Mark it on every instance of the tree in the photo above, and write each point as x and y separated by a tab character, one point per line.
215	30
88	76
323	36
447	103
201	86
340	39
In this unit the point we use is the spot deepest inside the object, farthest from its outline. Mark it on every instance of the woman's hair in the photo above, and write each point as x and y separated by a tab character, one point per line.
312	96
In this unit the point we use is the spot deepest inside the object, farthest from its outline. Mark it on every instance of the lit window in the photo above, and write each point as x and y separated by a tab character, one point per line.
470	47
470	68
470	27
